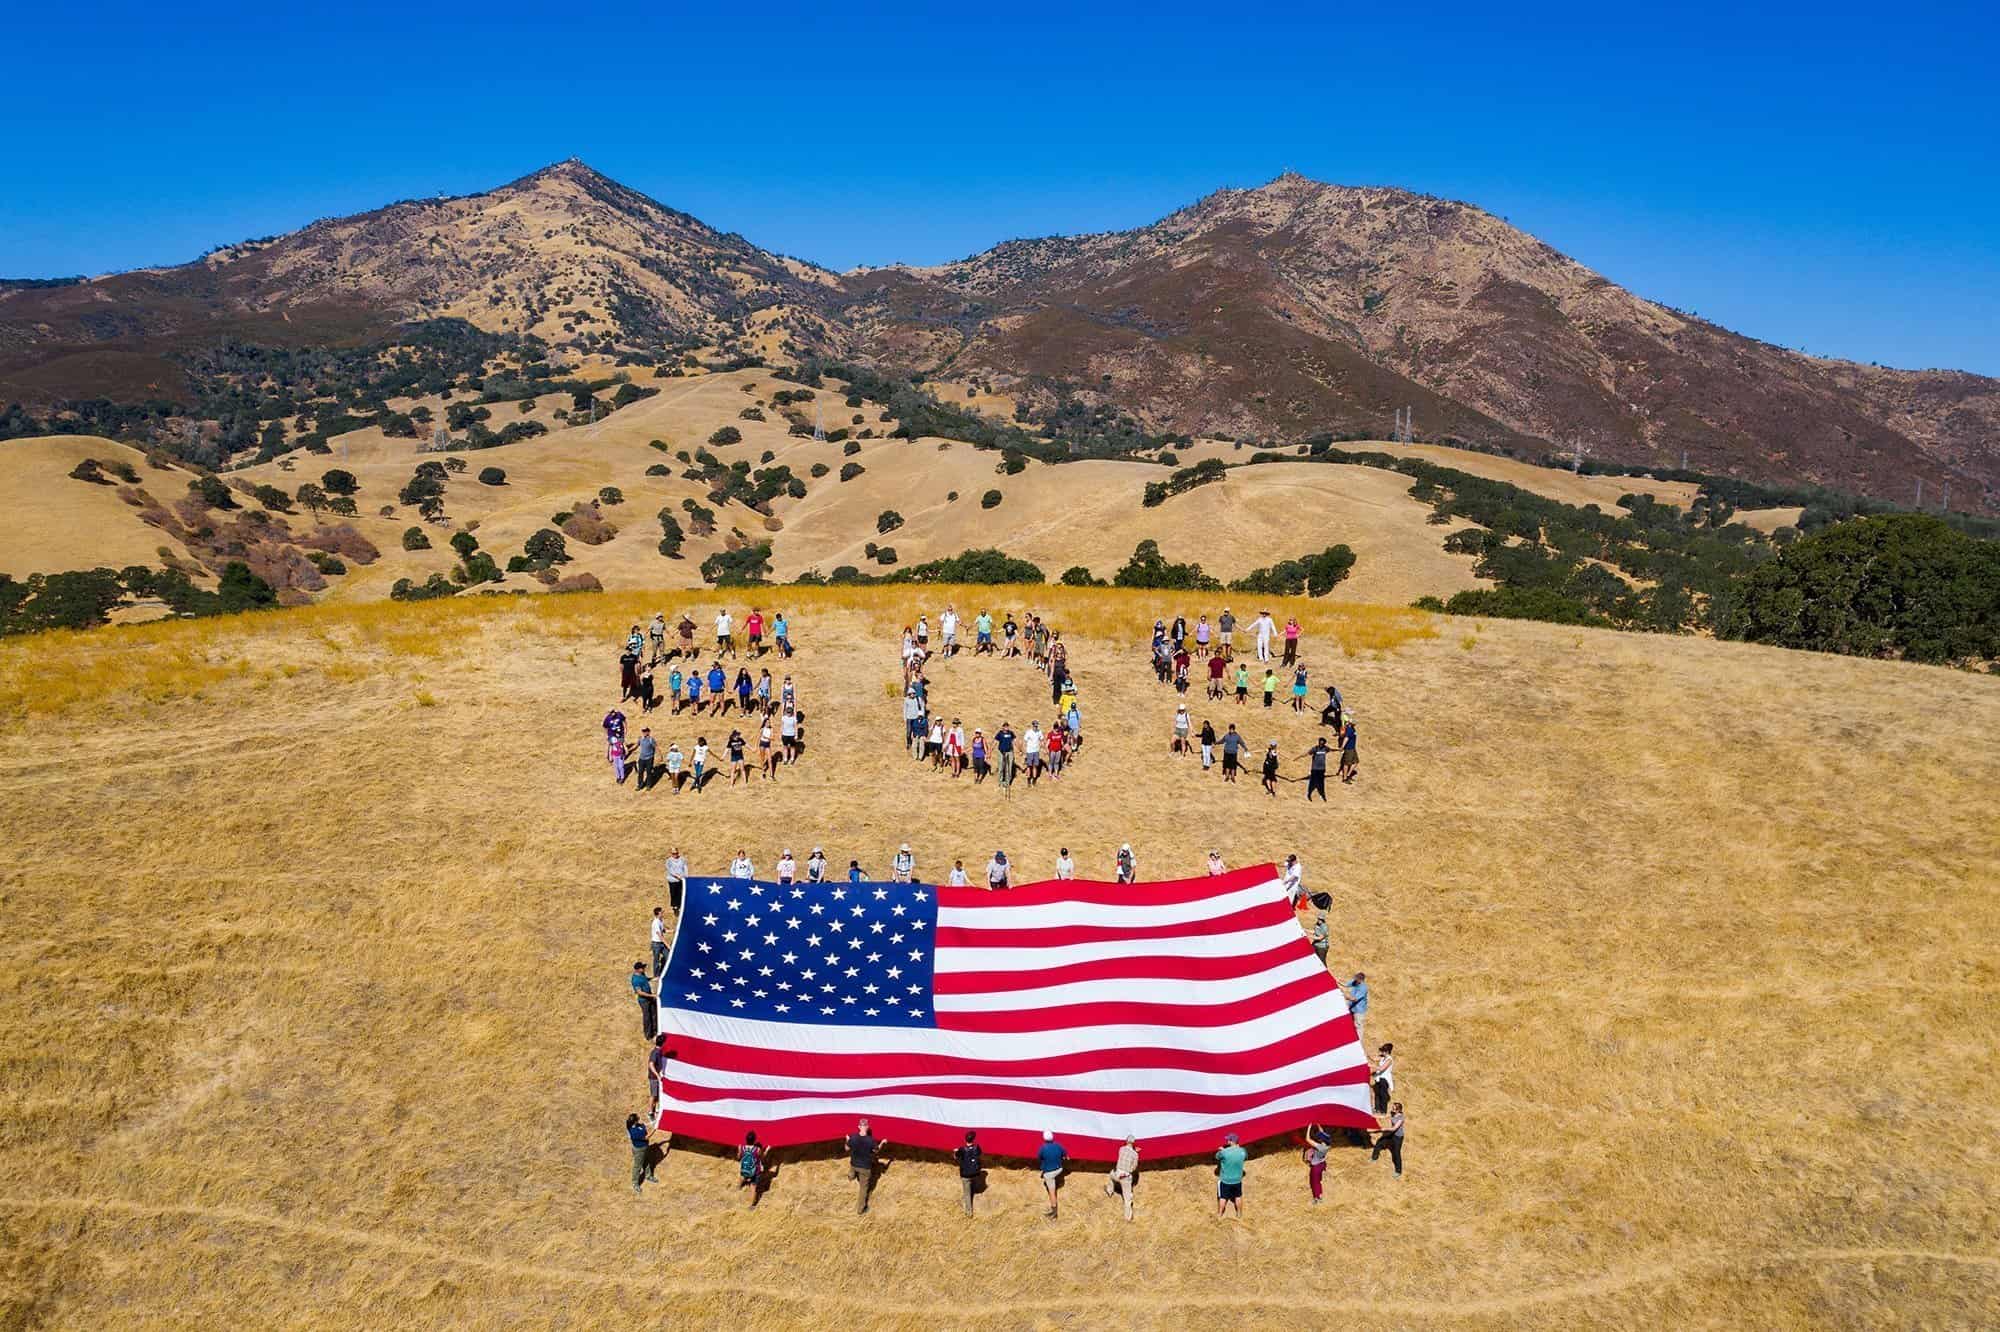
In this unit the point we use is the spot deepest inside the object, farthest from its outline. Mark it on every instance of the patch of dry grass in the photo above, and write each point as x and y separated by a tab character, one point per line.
315	1011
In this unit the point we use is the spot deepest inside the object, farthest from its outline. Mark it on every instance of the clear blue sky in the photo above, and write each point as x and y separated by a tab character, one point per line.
1821	176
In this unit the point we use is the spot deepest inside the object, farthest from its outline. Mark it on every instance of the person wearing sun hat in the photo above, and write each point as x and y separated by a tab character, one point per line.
904	867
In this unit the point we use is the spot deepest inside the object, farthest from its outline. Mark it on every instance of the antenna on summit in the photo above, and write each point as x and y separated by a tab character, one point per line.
819	425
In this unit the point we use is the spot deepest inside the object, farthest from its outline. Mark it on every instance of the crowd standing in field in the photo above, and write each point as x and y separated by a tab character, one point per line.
1031	754
865	1152
765	707
1176	648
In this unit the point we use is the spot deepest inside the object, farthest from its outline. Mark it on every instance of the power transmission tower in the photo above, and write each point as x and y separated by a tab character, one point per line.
1920	493
1946	506
819	426
1578	451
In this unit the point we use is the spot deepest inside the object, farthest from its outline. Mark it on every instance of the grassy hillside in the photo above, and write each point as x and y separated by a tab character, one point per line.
318	920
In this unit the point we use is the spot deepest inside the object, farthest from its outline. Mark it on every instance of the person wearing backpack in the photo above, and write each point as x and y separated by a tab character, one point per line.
750	1167
1318	1141
969	1167
1128	868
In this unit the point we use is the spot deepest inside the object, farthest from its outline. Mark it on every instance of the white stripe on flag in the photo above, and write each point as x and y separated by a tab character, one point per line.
1323	1064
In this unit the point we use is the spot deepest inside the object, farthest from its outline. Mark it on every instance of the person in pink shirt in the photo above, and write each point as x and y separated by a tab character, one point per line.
1291	639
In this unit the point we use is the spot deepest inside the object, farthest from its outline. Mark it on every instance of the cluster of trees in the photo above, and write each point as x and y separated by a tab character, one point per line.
1187	478
1904	585
1309	575
989	567
83	598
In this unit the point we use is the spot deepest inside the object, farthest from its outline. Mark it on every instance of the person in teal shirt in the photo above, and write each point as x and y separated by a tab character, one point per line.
1229	1176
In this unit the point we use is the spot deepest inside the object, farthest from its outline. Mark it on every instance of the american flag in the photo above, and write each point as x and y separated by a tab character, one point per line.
1176	1011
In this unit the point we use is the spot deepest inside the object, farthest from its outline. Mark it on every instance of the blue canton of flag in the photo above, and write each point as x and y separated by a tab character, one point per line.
835	954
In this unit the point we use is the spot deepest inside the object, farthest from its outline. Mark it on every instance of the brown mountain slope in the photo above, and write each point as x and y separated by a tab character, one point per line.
565	254
1284	311
1302	306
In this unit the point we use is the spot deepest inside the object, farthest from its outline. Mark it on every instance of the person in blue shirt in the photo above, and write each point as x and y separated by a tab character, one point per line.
781	630
718	686
642	1153
642	990
854	874
1229	1161
1003	743
1053	1159
694	691
1356	991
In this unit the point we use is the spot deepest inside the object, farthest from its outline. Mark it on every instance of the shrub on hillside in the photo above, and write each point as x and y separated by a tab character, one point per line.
726	435
888	521
1078	576
848	471
546	547
212	492
339	482
464	543
414	539
818	470
611	495
492	476
734	568
1148	568
671	535
849	449
990	500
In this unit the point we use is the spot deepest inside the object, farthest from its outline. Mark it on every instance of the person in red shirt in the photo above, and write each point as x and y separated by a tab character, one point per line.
753	628
1217	665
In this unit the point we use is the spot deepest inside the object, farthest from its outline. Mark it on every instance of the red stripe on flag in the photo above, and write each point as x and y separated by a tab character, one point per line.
1062	1017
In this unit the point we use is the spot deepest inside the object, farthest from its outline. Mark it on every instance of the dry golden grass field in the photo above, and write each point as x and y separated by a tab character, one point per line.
317	924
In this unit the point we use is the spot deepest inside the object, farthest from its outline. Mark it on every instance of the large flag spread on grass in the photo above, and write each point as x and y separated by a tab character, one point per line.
1176	1011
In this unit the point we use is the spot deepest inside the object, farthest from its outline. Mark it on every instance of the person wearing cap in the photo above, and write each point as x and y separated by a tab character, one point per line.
1128	864
642	990
957	879
1271	769
1123	1172
1052	1159
1229	1159
1215	867
787	868
1316	758
1227	626
968	1155
904	866
1293	877
1003	745
1065	867
996	871
1350	761
816	866
863	1154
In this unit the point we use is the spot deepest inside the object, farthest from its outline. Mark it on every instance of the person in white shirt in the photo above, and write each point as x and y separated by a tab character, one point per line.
1065	867
1127	864
1214	863
1382	1076
904	867
659	942
724	644
1293	878
948	627
787	867
924	632
957	878
996	870
816	866
741	868
677	877
1265	627
1031	751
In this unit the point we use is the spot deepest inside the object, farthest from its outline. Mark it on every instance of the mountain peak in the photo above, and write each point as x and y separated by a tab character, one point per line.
571	169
